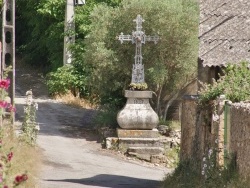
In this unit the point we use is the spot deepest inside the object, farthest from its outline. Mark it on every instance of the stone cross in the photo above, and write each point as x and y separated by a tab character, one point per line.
138	37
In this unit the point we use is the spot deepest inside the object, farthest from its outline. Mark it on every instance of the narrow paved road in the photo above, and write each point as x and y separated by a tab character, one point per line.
72	156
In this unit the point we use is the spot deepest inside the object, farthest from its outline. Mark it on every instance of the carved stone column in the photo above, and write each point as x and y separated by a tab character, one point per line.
137	113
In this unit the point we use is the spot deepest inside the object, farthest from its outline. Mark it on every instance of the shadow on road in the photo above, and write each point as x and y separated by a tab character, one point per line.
57	119
113	181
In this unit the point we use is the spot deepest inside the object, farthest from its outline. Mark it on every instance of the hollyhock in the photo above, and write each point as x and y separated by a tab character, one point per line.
10	155
5	83
11	108
20	178
3	104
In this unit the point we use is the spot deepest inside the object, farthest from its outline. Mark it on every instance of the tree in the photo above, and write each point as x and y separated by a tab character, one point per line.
169	65
40	29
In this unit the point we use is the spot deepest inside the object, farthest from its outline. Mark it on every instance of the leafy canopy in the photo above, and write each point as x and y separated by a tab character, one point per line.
167	64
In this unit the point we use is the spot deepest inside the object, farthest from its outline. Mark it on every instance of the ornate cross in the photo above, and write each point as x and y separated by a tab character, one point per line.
138	37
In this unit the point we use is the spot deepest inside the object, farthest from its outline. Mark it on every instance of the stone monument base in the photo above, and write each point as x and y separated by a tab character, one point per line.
143	144
137	114
128	133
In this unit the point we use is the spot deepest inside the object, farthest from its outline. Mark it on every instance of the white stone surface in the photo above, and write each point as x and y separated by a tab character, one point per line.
137	113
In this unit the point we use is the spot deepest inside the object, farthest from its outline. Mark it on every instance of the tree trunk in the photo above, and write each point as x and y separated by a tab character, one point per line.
158	106
175	96
169	103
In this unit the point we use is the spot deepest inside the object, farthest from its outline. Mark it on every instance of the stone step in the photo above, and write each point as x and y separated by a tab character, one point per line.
145	153
146	150
139	142
127	133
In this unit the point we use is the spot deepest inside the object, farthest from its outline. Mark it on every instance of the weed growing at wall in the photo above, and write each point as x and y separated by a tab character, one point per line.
186	175
234	84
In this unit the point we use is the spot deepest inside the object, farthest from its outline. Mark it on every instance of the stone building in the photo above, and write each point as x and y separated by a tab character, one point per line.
224	33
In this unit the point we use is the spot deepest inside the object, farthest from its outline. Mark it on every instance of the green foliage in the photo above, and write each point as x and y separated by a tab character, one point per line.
102	66
67	78
61	81
234	84
167	64
206	173
40	27
187	175
172	155
106	116
9	145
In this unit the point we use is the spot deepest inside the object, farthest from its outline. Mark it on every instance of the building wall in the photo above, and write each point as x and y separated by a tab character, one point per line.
188	122
199	131
240	136
229	131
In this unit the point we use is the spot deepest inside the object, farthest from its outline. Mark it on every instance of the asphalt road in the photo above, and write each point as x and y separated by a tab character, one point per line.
73	156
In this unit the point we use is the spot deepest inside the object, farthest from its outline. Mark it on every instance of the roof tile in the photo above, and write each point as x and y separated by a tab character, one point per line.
219	52
224	31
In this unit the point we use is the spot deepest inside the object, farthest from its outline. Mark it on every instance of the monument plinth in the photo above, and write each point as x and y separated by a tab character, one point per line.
137	113
137	119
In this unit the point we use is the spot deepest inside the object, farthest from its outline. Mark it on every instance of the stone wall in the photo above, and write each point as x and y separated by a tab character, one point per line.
188	121
240	136
229	130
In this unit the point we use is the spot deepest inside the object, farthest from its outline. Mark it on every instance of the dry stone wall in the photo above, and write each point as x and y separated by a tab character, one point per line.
188	121
240	136
231	128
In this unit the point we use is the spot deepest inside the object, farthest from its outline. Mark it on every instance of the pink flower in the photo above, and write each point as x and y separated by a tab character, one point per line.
3	104
20	178
5	186
11	108
10	155
5	83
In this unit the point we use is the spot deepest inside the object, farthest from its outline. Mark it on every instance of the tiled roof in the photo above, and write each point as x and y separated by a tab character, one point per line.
224	31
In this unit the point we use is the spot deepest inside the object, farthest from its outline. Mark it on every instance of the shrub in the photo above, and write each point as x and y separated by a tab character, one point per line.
234	84
107	117
68	79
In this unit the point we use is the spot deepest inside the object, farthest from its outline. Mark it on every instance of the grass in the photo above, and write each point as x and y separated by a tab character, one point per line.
71	100
172	125
186	175
26	159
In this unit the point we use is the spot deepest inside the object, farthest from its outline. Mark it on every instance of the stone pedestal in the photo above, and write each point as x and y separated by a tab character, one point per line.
138	120
125	133
137	113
